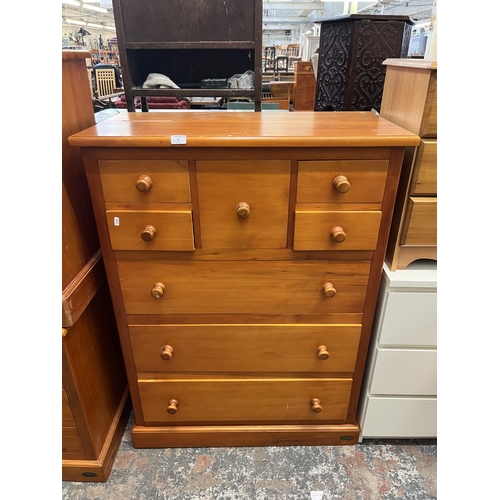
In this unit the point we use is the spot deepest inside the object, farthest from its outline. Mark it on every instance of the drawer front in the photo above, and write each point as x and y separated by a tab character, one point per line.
71	444
250	400
151	230
409	319
424	177
245	348
145	181
243	204
341	181
420	226
336	230
400	418
416	372
254	287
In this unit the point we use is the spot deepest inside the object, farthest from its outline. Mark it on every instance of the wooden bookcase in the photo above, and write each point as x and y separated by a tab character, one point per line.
190	41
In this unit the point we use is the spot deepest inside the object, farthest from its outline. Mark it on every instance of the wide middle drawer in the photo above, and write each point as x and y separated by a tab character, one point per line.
245	347
253	287
237	400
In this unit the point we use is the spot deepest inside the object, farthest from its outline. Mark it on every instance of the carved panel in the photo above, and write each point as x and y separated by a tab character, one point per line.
350	71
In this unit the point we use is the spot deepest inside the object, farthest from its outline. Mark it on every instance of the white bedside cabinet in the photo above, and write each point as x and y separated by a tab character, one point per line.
399	394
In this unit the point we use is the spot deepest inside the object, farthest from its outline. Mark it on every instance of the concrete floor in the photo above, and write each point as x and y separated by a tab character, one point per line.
372	470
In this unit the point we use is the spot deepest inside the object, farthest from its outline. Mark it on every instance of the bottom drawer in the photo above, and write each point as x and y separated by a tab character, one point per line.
245	400
400	418
71	444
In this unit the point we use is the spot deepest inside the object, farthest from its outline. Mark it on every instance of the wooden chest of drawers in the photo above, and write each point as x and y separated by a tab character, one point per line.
410	101
244	265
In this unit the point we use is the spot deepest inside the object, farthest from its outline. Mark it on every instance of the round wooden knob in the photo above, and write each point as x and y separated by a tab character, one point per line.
316	405
329	290
338	234
243	210
322	352
167	351
158	290
341	184
172	406
144	183
148	233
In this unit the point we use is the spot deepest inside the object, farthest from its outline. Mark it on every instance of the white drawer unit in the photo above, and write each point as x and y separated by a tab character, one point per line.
399	393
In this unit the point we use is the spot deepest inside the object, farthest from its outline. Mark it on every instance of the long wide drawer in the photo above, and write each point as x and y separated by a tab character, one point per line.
245	348
253	287
245	400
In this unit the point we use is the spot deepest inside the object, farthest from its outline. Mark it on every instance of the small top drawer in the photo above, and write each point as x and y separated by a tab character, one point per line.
341	181
243	204
145	181
424	177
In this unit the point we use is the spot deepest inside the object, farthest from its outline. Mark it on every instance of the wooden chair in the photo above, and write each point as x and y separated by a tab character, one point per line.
294	52
105	81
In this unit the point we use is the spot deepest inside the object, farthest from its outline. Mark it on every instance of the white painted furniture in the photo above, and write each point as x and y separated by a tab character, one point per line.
399	394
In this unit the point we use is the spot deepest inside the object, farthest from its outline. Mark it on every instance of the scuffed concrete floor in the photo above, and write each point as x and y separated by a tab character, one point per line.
372	470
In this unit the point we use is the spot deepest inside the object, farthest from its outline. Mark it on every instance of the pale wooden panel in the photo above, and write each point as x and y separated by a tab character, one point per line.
400	418
245	348
410	319
429	126
420	226
312	230
424	177
416	371
264	185
240	400
259	287
367	180
174	229
170	181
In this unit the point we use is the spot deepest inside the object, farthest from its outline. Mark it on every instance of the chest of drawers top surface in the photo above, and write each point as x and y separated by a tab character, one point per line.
249	129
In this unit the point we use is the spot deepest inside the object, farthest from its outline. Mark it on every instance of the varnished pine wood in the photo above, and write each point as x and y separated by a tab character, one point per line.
420	225
169	181
244	400
366	181
168	230
424	176
248	348
243	287
93	374
243	129
247	284
313	230
263	186
194	436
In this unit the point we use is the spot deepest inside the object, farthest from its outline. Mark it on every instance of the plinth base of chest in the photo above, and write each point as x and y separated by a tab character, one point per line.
244	435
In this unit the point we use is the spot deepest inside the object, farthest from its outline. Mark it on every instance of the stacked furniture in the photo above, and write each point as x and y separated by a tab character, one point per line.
352	50
244	253
399	396
95	403
189	41
304	87
410	101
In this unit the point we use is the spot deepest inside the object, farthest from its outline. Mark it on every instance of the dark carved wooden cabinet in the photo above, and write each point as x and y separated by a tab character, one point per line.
189	41
352	49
